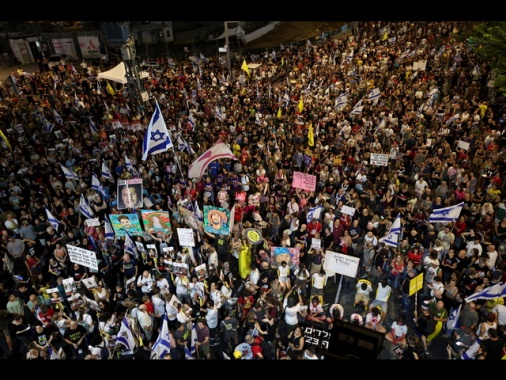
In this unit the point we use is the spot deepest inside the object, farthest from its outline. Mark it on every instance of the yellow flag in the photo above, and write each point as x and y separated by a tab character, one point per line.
4	138
385	37
110	90
245	67
279	113
310	135
244	261
300	106
282	61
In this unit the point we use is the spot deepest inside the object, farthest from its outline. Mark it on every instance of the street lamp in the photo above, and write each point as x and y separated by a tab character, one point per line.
228	50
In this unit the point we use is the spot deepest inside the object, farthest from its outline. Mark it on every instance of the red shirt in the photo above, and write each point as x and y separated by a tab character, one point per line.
255	347
313	228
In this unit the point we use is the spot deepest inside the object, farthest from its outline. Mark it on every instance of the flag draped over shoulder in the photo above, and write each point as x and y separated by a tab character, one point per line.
446	214
218	150
162	345
156	139
310	135
245	67
392	238
125	336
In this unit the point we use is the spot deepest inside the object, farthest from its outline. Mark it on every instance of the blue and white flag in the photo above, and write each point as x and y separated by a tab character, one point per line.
357	109
69	174
52	220
109	231
392	238
452	322
314	212
490	292
257	119
203	59
128	164
349	56
374	95
125	337
182	145
446	214
190	351
156	139
452	119
57	116
130	246
341	100
191	122
97	186
471	352
85	209
106	173
218	113
161	347
48	126
93	127
53	355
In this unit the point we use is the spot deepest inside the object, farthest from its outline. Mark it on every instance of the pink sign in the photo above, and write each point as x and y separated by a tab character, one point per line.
304	181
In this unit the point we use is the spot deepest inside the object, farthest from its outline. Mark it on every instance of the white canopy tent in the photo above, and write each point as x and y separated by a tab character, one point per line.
116	74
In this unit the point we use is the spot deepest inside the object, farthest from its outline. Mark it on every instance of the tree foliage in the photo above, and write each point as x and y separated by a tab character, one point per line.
488	40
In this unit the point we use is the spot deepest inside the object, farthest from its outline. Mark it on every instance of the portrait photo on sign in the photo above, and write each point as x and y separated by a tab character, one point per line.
280	254
216	220
129	193
123	223
156	222
69	285
201	271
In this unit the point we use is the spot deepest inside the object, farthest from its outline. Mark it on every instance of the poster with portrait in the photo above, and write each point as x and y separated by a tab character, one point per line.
129	193
90	283
156	222
55	295
152	251
123	223
288	254
216	220
201	271
180	268
69	285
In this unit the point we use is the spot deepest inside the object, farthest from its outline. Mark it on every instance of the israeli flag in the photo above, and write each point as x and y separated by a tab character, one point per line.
106	173
314	212
392	238
52	220
69	174
162	345
490	292
109	231
446	214
85	209
156	139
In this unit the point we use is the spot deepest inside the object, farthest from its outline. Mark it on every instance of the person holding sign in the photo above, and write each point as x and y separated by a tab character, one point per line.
130	196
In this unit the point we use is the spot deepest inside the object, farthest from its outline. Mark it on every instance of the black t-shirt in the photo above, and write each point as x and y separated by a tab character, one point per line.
75	335
41	338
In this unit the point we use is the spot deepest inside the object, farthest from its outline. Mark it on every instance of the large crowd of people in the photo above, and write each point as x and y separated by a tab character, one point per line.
395	118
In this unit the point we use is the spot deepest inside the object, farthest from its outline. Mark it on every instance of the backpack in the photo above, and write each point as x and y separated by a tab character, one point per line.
268	351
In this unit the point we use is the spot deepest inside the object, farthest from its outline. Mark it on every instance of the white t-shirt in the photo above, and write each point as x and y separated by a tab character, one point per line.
291	315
